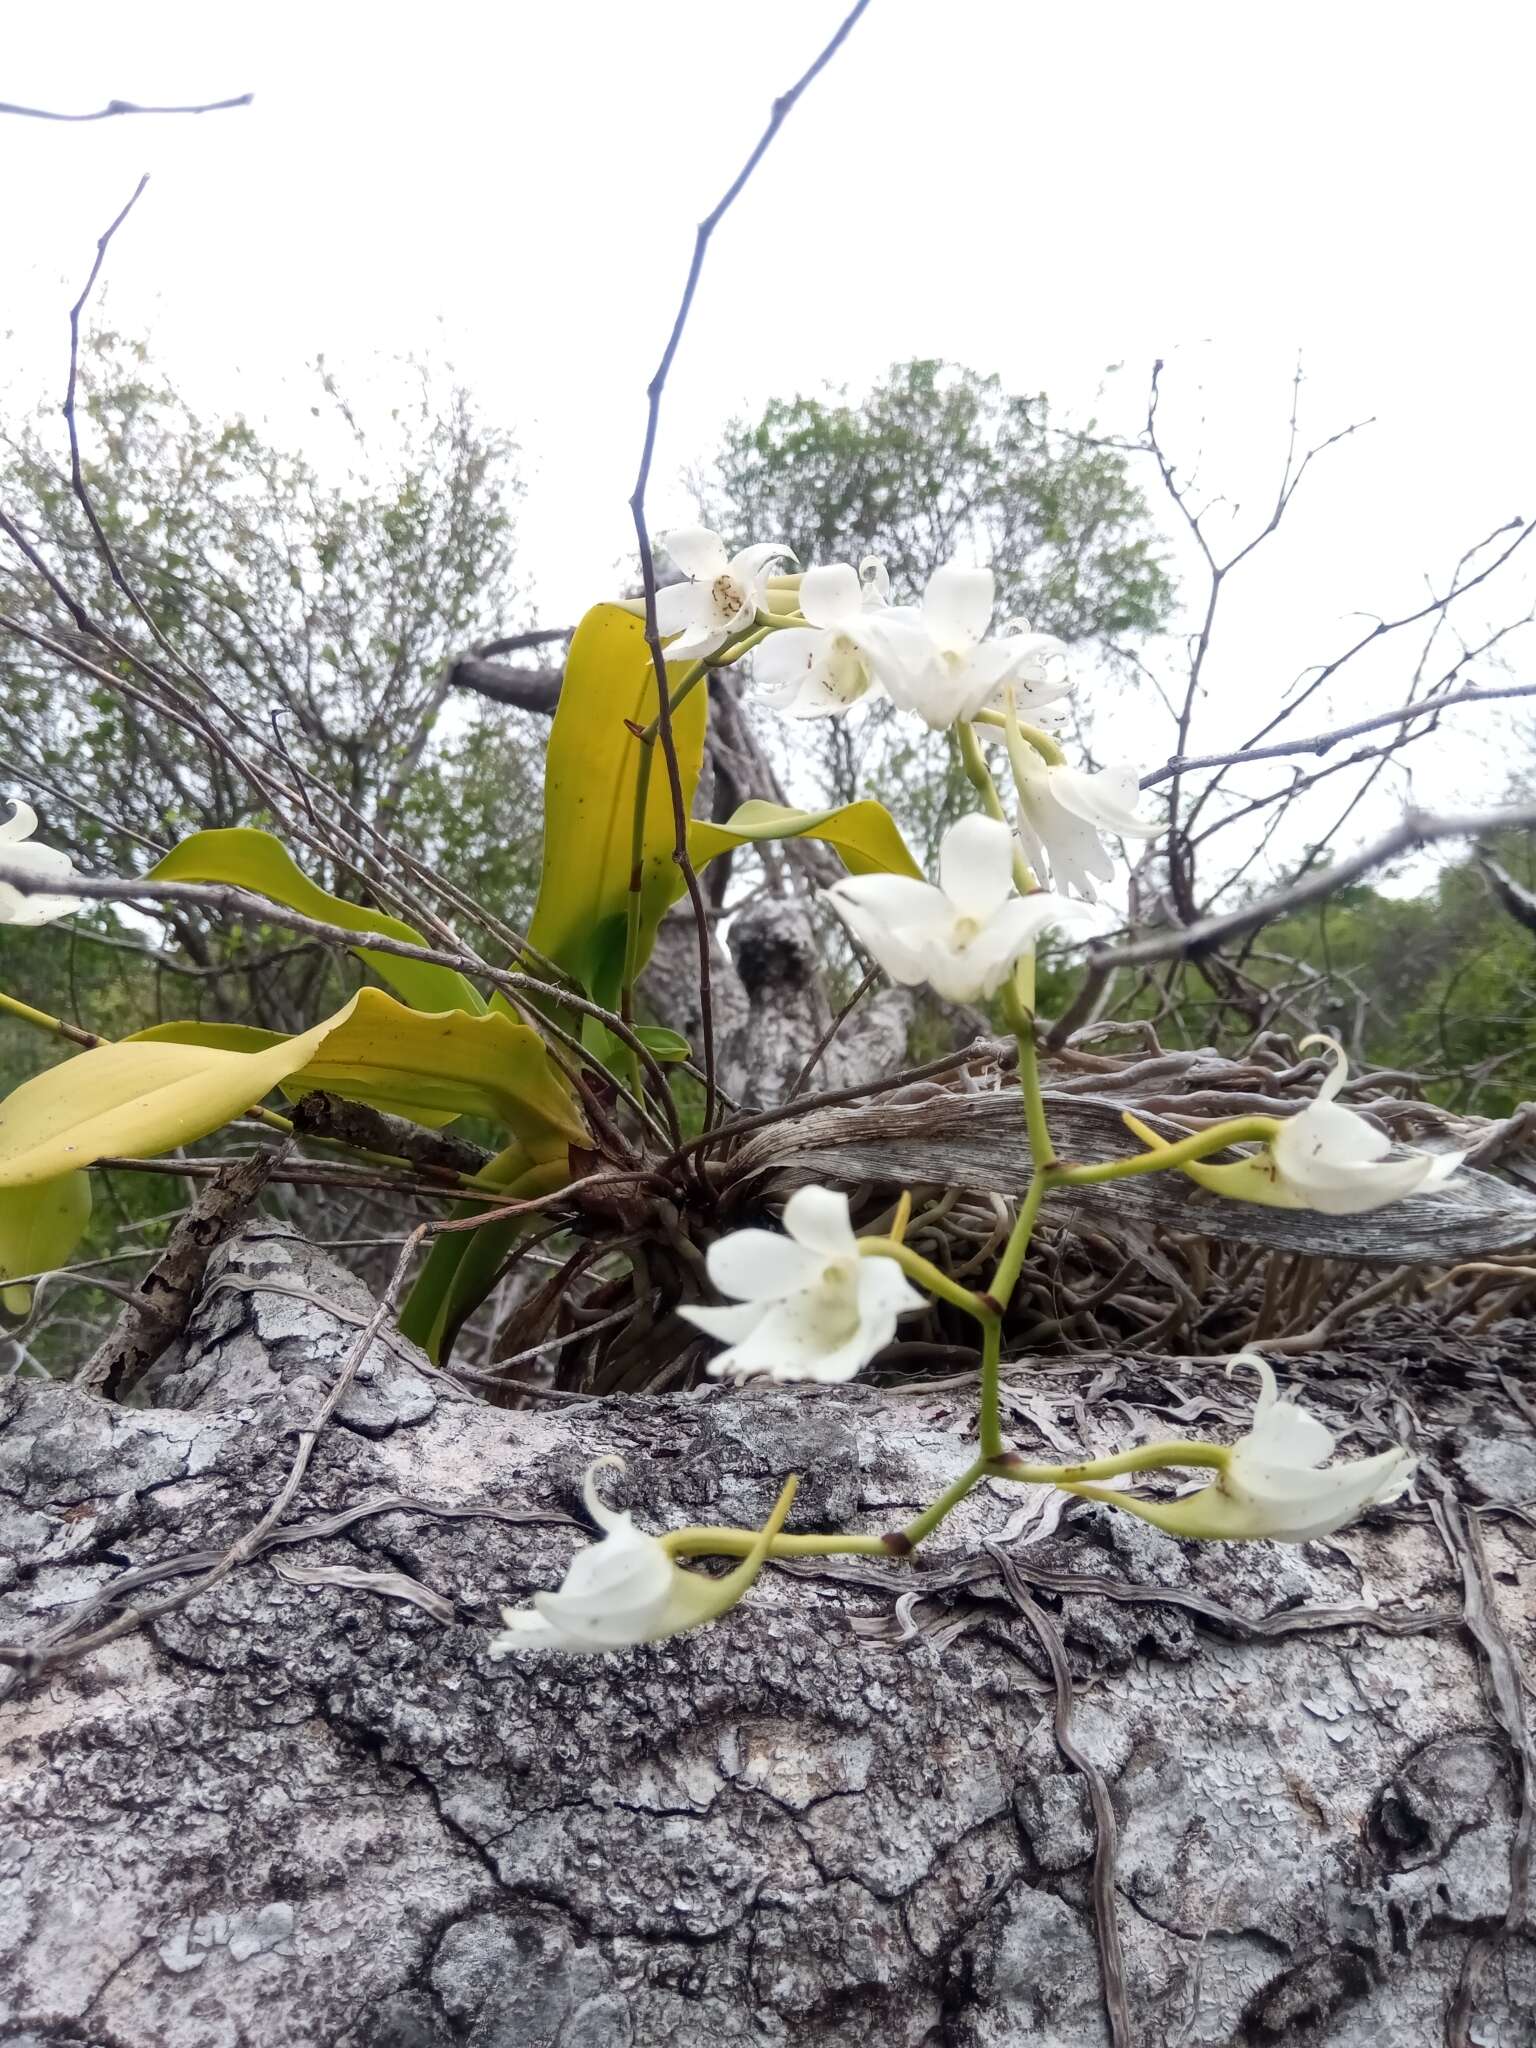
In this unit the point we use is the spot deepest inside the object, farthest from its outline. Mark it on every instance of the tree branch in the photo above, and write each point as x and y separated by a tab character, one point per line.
1320	743
527	689
116	107
1191	942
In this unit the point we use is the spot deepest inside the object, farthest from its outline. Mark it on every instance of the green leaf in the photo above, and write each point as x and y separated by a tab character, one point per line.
247	859
590	780
151	1094
662	1044
461	1268
863	834
39	1228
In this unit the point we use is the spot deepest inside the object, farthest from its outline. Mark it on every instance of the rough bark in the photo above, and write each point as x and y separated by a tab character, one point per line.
305	1810
977	1142
770	1004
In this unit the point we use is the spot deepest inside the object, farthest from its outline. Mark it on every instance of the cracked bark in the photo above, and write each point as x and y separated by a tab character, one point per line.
309	1814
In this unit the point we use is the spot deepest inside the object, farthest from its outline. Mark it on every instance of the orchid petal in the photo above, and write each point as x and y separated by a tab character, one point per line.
976	865
1015	930
680	606
726	1325
1282	1433
1335	1079
957	605
894	917
698	641
817	675
817	1218
884	1290
747	566
830	595
760	1265
875	580
699	553
1107	800
786	660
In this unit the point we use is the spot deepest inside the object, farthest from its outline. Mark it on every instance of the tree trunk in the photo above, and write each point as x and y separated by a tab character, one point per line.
308	1808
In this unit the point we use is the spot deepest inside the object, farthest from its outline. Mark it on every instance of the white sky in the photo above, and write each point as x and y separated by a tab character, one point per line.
1041	192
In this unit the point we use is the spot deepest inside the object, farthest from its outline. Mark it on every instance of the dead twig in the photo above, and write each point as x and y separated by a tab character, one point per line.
654	390
113	108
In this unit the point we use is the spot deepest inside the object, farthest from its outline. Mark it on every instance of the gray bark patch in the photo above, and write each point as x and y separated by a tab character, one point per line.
304	1810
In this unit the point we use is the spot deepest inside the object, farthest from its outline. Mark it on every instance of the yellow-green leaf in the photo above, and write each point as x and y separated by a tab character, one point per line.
863	834
428	1068
247	859
148	1095
590	778
39	1228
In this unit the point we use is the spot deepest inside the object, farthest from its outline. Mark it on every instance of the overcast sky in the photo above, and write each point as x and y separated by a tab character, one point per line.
1040	192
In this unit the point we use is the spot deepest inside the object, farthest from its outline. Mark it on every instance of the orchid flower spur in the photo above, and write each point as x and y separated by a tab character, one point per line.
821	668
808	1306
626	1588
1325	1157
723	595
45	862
1274	1483
964	936
938	662
1062	811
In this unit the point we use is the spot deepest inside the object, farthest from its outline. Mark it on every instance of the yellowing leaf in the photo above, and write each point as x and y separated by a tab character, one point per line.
134	1099
148	1095
863	834
39	1228
246	859
590	778
428	1068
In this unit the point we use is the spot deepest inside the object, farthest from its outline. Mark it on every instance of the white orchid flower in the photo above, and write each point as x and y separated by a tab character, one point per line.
1332	1160
1062	811
723	594
964	936
1274	1483
808	1306
1325	1157
626	1589
938	662
821	668
45	862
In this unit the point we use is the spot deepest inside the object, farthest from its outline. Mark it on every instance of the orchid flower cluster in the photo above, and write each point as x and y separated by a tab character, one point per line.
815	1301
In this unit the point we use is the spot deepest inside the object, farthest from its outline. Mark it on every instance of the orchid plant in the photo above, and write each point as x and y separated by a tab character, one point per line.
556	1057
818	1302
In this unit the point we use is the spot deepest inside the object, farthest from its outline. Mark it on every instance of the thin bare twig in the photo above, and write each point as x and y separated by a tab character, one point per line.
1319	743
658	384
1190	942
814	1058
115	107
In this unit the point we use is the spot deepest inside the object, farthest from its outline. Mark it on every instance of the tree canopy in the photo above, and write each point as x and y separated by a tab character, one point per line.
938	461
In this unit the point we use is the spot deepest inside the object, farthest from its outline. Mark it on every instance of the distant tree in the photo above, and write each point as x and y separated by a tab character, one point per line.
936	462
323	614
939	461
